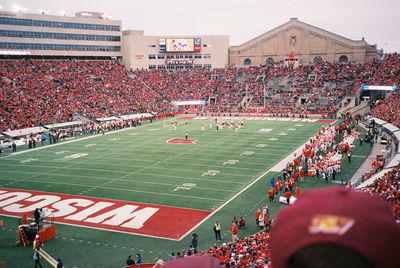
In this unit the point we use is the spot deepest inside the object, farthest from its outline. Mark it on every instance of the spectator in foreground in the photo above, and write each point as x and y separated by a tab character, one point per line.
335	227
130	261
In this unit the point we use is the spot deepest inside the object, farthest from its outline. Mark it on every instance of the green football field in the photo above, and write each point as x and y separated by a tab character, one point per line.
138	165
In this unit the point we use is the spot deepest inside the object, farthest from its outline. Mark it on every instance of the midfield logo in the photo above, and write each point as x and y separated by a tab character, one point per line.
180	141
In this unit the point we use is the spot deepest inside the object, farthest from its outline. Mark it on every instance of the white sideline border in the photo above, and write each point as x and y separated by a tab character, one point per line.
70	141
277	168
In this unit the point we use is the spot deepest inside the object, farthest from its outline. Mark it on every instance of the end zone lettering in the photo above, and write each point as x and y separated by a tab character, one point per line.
99	213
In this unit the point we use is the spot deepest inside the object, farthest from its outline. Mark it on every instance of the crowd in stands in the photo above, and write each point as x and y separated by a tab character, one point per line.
388	187
389	75
38	92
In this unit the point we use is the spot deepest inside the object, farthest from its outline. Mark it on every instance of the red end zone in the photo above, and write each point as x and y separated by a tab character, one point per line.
106	214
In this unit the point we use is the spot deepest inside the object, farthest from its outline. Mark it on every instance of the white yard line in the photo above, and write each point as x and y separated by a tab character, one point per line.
276	168
141	173
130	190
108	180
71	141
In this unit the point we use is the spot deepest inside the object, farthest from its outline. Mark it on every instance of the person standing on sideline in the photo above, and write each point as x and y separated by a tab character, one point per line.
194	241
59	263
242	223
130	261
349	156
36	257
138	260
297	191
272	182
301	174
234	231
186	135
288	195
271	195
36	242
257	216
217	230
261	221
234	220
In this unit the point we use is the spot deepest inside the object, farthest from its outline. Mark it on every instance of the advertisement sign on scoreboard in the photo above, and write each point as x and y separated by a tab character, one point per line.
180	45
197	44
161	43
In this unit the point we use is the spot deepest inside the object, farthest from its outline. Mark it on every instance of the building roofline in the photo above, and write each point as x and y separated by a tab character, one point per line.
296	22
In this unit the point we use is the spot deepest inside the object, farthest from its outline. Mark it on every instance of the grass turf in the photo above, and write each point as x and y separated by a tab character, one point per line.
138	165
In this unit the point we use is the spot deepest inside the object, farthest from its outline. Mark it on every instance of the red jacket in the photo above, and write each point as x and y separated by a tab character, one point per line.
271	193
234	229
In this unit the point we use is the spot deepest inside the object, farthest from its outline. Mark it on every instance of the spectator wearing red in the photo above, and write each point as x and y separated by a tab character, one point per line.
271	195
257	216
288	195
297	191
234	231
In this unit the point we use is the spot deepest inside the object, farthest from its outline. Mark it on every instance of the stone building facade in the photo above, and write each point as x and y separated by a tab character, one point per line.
297	42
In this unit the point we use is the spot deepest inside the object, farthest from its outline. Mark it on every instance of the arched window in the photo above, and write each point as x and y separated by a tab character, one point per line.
317	59
269	61
343	58
247	62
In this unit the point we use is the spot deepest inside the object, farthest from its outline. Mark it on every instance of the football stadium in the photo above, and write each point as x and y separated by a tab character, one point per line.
120	149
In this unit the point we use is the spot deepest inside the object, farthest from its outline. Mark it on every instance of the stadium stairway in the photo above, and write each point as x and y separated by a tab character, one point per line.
377	149
83	118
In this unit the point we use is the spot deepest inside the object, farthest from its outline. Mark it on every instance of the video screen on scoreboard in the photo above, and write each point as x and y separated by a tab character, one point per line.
180	45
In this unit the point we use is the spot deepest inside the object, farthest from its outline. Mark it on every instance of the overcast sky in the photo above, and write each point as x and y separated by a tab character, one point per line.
377	21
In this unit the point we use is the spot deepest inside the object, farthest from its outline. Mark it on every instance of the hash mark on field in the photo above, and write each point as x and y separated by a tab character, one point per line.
282	134
273	139
74	156
211	173
62	152
231	162
261	145
291	129
265	130
114	139
90	145
28	160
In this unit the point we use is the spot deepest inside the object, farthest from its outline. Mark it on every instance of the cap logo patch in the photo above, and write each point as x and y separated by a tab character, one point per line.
330	224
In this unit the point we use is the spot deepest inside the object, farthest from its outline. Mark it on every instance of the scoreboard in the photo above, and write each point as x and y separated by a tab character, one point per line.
179	44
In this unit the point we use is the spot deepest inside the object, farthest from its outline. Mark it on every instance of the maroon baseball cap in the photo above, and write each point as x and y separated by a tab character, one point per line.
340	216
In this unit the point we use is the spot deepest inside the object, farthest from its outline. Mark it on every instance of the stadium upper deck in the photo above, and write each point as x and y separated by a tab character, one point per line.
35	92
87	34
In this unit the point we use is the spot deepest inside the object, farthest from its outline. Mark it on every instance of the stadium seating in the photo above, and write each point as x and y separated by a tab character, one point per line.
388	74
38	92
388	187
